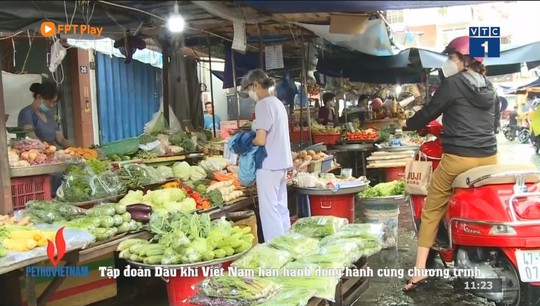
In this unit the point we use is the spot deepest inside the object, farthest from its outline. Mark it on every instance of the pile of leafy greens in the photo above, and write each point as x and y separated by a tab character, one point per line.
394	188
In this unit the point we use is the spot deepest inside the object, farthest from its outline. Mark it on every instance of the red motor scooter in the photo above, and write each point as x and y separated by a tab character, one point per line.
492	227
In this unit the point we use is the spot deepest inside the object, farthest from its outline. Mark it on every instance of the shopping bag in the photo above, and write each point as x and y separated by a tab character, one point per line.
418	176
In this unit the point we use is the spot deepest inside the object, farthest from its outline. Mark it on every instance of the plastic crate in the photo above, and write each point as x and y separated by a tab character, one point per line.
326	139
295	135
24	189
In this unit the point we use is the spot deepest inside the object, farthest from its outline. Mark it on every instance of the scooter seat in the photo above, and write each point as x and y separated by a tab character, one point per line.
464	179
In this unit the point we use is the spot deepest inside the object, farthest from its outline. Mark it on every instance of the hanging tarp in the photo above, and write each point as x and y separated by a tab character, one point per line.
243	64
373	41
347	6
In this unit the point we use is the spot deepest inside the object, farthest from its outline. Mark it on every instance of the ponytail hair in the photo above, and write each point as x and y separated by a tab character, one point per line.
46	90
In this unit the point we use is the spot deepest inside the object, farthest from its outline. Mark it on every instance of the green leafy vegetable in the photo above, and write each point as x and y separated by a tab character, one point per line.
319	226
393	188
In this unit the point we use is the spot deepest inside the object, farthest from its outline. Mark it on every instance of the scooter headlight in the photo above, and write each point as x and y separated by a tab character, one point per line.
502	230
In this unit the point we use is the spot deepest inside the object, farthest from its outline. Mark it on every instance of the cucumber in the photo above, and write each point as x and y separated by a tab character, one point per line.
171	260
153	260
125	254
135	249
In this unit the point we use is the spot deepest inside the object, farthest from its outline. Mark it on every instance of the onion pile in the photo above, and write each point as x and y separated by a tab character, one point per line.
31	152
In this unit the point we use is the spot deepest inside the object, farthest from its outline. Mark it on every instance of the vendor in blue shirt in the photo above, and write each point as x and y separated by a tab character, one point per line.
39	116
209	117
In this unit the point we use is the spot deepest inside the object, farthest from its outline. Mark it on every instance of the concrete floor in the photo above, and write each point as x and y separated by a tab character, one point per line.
383	291
386	291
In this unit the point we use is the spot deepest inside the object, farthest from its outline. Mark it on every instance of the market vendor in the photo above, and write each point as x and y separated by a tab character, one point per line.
38	116
272	132
359	110
327	113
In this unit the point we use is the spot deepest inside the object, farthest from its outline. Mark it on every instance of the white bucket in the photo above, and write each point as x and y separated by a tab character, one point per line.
389	219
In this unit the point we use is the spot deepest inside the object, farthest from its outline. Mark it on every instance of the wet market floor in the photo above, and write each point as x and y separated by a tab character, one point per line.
383	291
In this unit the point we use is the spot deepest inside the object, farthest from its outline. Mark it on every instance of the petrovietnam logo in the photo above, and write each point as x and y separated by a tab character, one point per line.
485	41
56	251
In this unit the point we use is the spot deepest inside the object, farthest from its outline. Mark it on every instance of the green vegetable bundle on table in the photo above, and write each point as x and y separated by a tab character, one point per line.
134	176
51	211
187	238
341	245
388	189
90	180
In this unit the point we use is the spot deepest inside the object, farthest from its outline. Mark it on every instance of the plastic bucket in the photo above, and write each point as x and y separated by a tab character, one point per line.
181	288
394	173
388	215
333	205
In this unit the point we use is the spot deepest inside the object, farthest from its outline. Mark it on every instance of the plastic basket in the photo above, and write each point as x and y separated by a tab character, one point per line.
326	139
121	147
295	136
24	189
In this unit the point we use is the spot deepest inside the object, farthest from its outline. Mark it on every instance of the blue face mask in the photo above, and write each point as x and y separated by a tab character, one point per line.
44	108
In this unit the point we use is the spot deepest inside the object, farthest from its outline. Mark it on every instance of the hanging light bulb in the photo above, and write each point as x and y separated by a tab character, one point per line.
176	22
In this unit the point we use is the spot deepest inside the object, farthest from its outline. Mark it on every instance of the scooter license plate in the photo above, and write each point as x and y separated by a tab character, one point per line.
528	262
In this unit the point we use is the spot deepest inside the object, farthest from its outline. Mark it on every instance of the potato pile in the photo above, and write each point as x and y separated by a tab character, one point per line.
304	158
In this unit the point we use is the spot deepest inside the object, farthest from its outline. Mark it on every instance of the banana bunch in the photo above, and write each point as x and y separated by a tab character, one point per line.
26	240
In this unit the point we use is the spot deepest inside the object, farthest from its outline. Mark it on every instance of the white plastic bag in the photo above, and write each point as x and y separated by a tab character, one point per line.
159	124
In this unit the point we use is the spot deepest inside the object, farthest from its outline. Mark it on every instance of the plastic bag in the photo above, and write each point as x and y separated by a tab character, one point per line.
158	123
85	186
319	226
50	211
135	175
324	287
263	257
291	297
296	244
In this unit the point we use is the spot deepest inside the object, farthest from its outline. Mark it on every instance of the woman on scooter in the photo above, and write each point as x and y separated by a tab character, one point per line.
468	103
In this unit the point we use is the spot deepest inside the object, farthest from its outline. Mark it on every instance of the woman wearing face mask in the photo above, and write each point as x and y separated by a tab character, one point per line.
272	132
327	113
39	117
468	103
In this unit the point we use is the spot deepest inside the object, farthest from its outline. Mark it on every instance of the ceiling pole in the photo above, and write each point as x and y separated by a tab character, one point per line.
6	204
211	88
304	90
233	64
165	76
261	47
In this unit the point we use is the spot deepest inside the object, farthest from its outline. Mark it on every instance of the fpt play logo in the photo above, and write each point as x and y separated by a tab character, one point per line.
485	41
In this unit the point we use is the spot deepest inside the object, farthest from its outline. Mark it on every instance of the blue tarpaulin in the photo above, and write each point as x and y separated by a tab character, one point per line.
346	6
243	64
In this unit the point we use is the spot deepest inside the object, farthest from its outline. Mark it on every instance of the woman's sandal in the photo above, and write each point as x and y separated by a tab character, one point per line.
415	285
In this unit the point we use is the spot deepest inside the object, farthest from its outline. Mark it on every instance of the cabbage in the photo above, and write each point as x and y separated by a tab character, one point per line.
196	173
188	205
181	170
163	196
165	172
133	197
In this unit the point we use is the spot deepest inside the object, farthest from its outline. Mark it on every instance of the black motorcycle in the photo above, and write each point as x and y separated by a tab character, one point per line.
521	132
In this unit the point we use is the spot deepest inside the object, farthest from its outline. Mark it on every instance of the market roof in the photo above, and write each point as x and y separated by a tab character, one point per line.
347	6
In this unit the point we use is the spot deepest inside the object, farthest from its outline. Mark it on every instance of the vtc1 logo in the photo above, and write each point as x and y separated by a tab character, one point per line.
485	41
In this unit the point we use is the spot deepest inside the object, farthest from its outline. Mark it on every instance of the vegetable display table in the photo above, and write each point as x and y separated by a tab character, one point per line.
340	203
183	283
10	275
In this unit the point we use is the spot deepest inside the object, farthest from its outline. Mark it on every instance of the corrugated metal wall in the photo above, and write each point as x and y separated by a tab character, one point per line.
128	96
